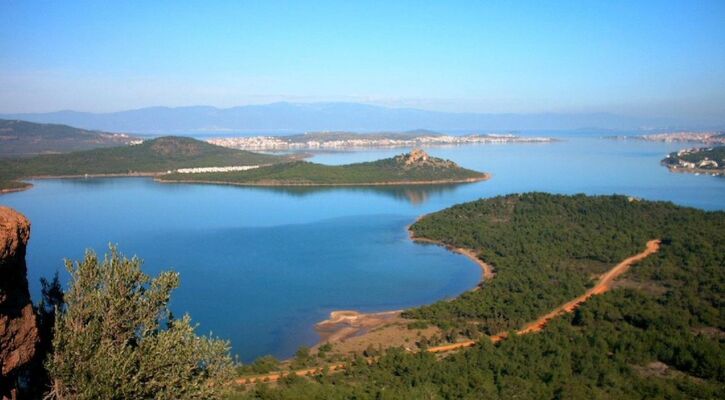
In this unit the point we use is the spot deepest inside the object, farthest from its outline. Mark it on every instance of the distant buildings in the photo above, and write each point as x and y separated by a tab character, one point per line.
202	170
360	141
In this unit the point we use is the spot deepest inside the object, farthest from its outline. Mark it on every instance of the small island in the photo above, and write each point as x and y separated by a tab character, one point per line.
414	168
707	160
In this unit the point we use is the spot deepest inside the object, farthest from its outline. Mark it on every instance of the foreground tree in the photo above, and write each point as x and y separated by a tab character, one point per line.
116	338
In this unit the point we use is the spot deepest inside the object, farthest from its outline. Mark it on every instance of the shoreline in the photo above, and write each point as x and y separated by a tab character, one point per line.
603	285
484	177
155	175
694	171
347	324
18	189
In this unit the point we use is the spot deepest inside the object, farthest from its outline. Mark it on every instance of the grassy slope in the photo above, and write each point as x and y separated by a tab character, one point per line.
21	138
546	248
302	173
157	155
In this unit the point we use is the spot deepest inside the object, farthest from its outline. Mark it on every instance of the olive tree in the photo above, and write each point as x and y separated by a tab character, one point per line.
116	338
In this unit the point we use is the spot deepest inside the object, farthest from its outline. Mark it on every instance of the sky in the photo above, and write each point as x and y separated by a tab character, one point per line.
655	58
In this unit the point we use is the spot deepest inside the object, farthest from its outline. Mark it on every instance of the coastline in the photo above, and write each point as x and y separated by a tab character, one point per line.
604	284
18	189
694	171
156	175
347	324
120	175
484	177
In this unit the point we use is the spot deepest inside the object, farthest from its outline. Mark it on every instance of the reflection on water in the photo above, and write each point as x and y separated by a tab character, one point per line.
415	194
260	265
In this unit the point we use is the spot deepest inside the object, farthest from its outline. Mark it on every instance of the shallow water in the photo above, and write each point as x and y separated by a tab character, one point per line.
260	266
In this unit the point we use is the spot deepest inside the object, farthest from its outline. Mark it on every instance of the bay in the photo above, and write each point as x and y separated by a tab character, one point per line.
259	266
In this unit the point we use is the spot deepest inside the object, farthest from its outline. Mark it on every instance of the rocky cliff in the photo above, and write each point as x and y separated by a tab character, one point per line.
18	327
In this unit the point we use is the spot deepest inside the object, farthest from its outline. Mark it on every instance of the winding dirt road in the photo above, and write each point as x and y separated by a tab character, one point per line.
604	284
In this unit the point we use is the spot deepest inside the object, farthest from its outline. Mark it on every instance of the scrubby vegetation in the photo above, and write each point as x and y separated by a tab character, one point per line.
152	156
658	335
390	170
115	338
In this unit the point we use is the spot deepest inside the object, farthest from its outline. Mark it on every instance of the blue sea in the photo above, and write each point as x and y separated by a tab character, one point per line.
260	266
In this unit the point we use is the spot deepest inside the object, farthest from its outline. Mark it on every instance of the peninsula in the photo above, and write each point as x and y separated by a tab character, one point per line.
586	288
414	168
706	160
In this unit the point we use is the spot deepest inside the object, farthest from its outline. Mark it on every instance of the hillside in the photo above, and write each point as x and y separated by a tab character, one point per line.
412	168
21	138
657	334
150	157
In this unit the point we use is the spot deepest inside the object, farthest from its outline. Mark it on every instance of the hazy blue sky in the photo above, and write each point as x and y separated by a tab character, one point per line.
635	57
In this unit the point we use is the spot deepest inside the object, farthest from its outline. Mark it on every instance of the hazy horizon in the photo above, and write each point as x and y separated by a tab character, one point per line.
644	59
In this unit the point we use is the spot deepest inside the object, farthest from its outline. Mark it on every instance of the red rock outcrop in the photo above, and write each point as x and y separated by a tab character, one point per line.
18	327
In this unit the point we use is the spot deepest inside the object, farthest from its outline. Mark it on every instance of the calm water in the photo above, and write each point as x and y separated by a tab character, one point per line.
260	266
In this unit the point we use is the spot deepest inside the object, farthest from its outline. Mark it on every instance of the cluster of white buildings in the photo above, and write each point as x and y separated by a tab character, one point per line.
282	143
202	170
705	163
704	137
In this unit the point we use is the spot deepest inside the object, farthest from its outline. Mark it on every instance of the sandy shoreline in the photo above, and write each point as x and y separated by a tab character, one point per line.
603	285
345	324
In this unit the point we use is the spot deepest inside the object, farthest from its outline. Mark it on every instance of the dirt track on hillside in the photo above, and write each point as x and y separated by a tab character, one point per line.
603	285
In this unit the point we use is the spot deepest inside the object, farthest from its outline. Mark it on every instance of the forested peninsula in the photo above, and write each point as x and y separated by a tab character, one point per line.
658	333
413	168
186	160
705	160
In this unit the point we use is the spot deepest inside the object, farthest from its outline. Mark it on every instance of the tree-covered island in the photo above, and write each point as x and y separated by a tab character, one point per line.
416	167
181	159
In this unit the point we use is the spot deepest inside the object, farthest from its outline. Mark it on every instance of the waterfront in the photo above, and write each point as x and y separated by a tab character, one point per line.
260	266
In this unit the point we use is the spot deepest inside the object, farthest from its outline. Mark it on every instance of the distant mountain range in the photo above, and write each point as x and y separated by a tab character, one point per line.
301	117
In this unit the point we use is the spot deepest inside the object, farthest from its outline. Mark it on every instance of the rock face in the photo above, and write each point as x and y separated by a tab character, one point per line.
415	156
419	158
18	328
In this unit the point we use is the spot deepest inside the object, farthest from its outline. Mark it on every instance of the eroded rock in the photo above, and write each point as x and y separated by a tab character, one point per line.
18	327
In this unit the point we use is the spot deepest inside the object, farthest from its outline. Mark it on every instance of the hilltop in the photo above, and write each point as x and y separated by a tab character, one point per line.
151	157
22	138
416	167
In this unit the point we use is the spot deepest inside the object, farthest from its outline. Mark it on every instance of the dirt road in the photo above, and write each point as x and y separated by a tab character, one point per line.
603	285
